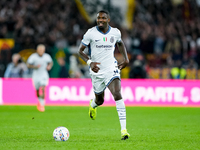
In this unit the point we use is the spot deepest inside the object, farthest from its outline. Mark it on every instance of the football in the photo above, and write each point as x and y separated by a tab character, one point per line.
61	134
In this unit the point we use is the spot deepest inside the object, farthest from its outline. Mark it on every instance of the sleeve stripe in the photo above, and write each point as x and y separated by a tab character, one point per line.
119	41
84	44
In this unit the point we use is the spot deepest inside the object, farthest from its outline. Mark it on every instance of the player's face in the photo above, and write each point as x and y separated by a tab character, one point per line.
40	50
15	58
102	20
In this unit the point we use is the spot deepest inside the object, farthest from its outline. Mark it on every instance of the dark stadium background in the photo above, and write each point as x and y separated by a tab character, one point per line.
162	32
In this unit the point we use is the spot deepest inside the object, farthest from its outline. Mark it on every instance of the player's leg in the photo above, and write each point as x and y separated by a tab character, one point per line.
115	89
43	82
94	103
98	100
40	95
98	87
37	87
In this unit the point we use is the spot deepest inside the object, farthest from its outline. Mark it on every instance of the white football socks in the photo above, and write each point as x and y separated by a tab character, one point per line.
93	104
42	101
121	109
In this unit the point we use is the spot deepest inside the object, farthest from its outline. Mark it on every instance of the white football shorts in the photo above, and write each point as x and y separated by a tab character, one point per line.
38	82
100	82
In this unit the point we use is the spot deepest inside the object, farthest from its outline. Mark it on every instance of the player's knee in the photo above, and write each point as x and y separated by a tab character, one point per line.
42	95
99	101
117	95
38	94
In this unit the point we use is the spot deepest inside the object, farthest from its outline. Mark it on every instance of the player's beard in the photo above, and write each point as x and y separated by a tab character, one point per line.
101	27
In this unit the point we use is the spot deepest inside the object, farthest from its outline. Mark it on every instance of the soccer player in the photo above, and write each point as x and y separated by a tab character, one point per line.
41	63
104	68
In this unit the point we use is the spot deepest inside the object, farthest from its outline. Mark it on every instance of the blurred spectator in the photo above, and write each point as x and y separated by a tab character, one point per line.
17	68
172	45
2	68
197	59
63	72
185	60
176	55
75	71
192	64
159	42
178	72
138	68
3	31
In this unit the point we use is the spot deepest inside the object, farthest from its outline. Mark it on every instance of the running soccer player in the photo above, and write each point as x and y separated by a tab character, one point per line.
104	68
41	63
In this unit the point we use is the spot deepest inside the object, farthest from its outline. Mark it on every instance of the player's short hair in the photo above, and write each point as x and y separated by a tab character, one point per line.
104	11
16	55
40	45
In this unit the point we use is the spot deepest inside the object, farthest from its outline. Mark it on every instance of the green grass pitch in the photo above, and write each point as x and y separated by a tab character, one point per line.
151	128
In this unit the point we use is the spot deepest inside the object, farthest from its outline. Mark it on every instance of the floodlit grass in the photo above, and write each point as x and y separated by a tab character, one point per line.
151	128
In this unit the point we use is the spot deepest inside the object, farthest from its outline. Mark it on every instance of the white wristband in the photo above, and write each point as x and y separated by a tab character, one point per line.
89	62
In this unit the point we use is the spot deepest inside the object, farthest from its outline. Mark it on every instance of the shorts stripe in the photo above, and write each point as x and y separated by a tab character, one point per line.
107	84
113	79
100	92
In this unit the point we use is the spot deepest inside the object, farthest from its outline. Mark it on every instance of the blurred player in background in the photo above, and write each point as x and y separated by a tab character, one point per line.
17	68
41	63
104	69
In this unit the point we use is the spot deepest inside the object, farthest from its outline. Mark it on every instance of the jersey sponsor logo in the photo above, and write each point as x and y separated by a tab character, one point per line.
112	39
104	46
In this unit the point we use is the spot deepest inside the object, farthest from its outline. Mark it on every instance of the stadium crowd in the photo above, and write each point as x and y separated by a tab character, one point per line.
163	33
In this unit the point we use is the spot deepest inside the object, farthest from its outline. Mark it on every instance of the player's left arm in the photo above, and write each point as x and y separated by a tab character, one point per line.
123	51
85	57
49	66
49	62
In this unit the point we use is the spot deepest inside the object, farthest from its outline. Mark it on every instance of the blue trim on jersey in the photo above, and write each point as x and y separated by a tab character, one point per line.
113	79
84	44
118	41
89	50
109	28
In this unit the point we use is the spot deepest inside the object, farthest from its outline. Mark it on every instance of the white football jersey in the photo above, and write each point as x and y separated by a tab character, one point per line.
101	47
43	61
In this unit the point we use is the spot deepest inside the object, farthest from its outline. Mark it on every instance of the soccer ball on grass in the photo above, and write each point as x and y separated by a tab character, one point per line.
61	134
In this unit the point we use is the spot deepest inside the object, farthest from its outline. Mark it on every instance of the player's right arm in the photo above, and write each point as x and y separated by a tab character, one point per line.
33	66
30	63
85	57
84	43
81	52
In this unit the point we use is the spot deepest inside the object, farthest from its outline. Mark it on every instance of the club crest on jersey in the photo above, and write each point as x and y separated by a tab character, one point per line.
105	39
112	39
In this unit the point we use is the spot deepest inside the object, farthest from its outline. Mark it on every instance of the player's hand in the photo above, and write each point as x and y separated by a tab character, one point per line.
48	68
38	66
123	64
94	66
